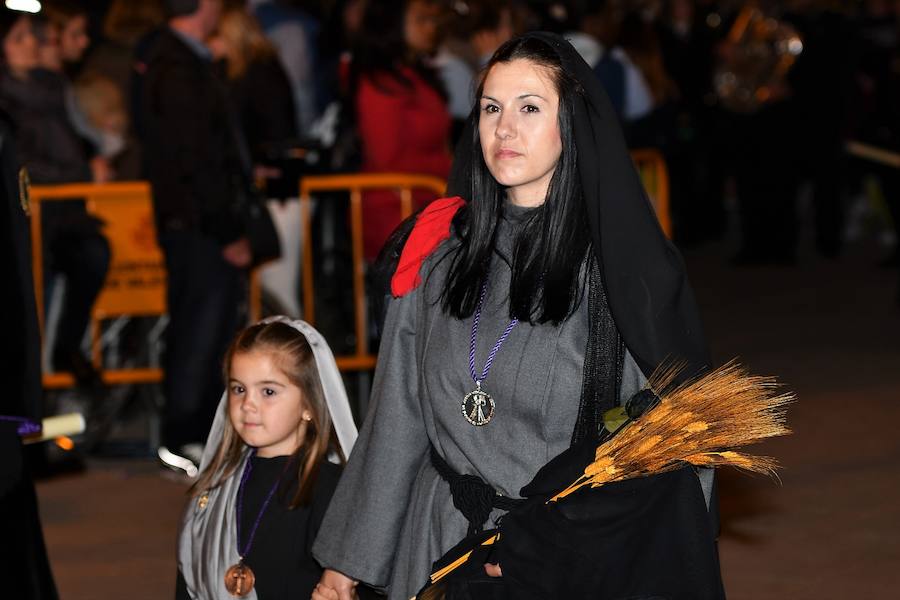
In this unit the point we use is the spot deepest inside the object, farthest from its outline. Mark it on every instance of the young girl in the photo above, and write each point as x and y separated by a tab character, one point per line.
265	480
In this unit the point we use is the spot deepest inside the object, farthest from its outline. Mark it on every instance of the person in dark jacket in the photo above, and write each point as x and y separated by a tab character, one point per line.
193	161
53	152
258	88
257	82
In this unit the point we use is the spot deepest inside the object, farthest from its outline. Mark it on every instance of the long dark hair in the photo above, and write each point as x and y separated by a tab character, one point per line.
549	251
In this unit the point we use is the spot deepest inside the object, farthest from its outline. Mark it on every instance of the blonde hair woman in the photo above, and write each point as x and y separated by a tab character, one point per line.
258	84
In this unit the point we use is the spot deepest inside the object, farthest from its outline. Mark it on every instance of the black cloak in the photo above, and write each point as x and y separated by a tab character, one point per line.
22	550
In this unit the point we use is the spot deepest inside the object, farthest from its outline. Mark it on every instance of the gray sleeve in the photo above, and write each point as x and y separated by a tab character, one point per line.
360	531
633	380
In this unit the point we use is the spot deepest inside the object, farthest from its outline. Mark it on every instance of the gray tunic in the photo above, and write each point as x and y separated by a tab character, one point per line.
392	515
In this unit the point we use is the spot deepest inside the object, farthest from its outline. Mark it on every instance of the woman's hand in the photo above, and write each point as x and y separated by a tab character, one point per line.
101	170
335	586
324	593
493	570
238	253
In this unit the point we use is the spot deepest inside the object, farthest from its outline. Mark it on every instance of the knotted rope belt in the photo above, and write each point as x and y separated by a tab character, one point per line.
474	498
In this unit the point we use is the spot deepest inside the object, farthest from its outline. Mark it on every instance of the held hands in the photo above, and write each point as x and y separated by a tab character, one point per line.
335	586
324	593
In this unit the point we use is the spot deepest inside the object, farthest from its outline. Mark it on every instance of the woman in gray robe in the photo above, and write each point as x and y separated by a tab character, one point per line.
570	309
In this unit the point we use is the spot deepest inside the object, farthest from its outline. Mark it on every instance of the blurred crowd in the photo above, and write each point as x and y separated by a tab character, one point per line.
223	104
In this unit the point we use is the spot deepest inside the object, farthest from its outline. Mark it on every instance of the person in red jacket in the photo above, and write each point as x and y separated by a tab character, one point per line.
400	106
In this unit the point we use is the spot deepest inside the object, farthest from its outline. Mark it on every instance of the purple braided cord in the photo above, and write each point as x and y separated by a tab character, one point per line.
240	507
495	349
25	427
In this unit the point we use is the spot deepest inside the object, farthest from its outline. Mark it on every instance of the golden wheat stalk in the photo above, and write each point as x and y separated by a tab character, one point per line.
700	422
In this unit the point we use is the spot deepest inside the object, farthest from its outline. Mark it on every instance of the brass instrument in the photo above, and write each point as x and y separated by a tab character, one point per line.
755	59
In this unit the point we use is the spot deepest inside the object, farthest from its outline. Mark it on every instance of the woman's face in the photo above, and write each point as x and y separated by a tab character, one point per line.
49	55
519	129
20	47
266	409
223	43
420	26
73	39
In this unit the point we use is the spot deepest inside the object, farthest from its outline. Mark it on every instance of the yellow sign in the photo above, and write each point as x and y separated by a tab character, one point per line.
136	281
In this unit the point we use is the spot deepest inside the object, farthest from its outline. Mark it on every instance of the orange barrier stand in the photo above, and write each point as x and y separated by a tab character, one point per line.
651	166
135	285
136	282
355	184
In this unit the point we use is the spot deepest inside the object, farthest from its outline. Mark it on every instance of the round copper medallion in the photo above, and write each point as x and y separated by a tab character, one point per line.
239	580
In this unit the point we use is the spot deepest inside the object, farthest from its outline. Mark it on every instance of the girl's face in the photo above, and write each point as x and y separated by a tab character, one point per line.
519	129
266	409
20	47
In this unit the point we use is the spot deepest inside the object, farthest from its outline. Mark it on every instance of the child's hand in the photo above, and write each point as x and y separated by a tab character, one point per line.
324	593
335	586
493	570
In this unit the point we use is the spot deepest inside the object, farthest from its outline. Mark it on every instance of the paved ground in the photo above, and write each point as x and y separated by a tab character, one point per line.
830	530
831	332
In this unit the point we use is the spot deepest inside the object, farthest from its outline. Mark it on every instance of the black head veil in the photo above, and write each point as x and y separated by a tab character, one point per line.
644	275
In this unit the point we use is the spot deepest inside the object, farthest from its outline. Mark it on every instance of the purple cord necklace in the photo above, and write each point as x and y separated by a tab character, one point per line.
478	405
239	578
25	426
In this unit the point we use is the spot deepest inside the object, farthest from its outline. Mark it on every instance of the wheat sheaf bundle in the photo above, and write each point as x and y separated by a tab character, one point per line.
700	422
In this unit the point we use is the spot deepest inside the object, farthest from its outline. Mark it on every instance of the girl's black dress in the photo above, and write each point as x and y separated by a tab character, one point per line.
280	557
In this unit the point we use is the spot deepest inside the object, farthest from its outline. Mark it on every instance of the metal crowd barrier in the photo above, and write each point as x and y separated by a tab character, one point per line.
361	359
135	284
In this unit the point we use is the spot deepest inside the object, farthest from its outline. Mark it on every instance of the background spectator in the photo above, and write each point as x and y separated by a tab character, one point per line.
401	110
475	33
53	152
64	27
686	42
830	48
47	34
258	86
71	22
193	162
761	143
294	34
111	62
875	114
339	30
124	24
100	103
596	31
261	96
